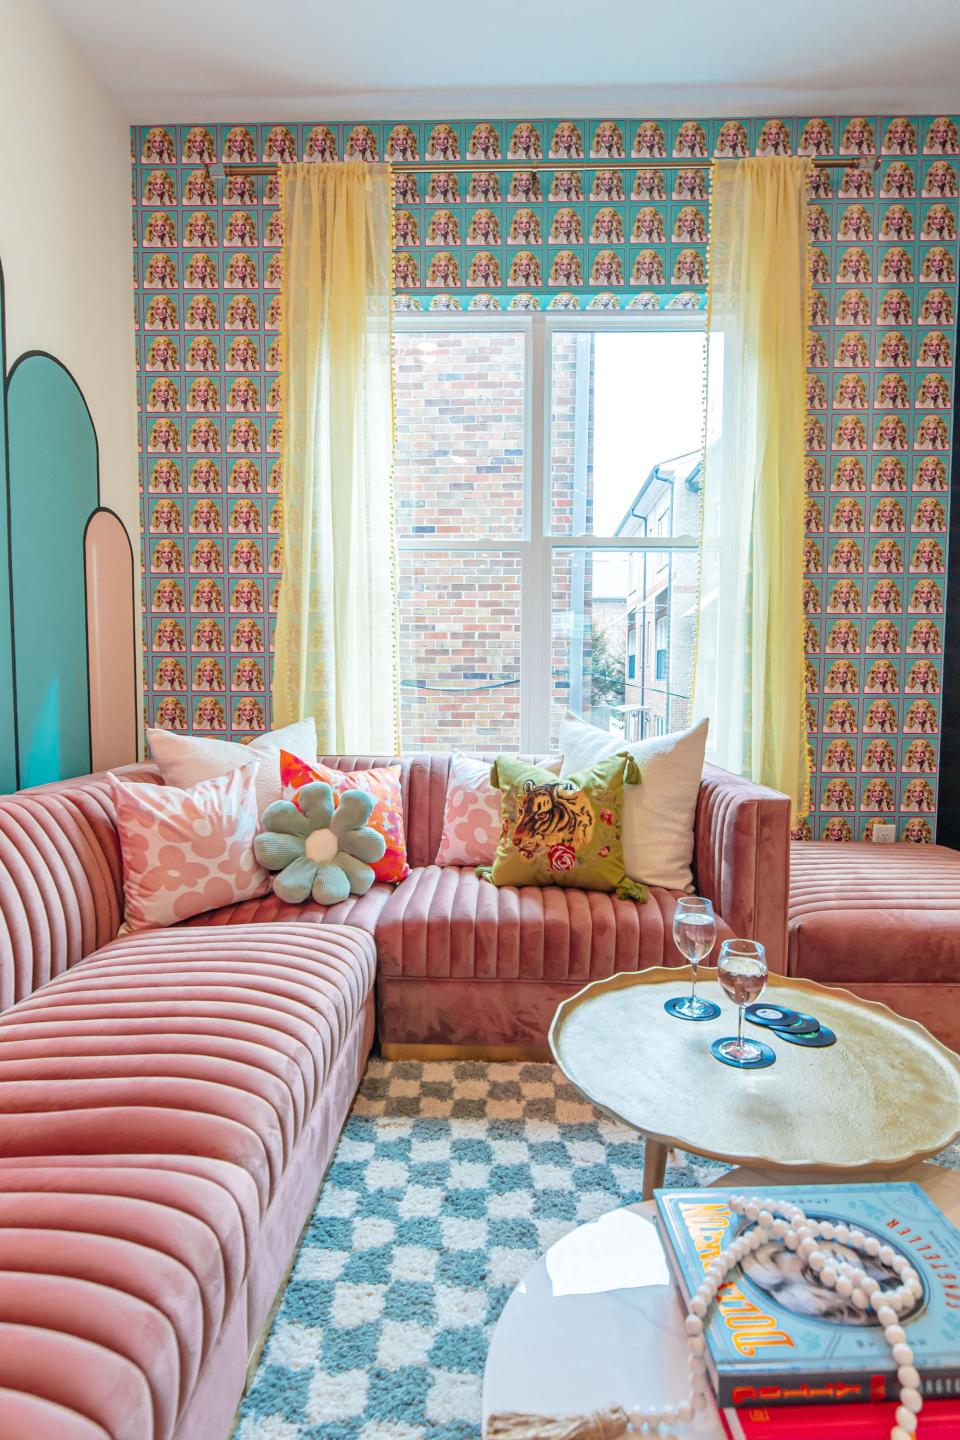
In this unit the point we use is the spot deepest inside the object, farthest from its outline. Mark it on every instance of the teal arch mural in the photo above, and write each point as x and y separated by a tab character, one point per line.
53	489
8	721
54	562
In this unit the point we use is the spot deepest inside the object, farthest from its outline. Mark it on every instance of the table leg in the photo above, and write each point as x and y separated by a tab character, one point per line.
654	1166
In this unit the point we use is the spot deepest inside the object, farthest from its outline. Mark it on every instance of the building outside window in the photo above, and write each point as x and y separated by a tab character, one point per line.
547	540
664	591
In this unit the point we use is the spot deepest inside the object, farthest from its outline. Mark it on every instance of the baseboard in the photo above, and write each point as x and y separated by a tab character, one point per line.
465	1052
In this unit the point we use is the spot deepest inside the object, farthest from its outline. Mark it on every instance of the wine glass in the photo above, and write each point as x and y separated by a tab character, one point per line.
694	931
742	972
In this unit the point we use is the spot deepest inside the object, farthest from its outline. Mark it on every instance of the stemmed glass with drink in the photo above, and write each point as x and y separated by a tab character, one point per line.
694	931
742	972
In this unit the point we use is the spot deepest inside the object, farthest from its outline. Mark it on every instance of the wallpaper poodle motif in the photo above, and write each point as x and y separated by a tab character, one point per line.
879	388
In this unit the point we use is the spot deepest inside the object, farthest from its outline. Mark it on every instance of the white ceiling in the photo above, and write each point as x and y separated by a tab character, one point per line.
209	60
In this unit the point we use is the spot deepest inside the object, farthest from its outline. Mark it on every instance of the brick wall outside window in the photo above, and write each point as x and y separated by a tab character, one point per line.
460	431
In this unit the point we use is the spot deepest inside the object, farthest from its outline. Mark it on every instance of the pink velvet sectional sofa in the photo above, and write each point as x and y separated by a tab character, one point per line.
883	921
171	1099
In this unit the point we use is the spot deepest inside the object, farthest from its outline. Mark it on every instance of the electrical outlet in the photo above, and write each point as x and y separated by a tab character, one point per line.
884	832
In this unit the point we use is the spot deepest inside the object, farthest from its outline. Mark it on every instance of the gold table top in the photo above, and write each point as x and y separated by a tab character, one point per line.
884	1096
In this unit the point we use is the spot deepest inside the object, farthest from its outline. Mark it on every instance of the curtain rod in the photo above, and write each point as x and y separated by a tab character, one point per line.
855	162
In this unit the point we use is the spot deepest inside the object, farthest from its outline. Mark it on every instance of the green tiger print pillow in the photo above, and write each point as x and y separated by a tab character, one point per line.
563	832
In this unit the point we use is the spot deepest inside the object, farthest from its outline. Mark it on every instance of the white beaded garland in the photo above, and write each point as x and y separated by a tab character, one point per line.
786	1222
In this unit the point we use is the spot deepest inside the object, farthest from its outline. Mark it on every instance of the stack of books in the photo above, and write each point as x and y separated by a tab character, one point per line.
789	1358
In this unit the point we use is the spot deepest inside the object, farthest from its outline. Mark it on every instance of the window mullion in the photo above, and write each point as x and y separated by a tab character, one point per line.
535	604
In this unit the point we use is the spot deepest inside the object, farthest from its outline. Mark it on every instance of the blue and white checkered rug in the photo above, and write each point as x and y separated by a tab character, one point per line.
449	1180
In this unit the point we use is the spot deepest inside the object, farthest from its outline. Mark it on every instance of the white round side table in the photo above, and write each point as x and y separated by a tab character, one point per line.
596	1320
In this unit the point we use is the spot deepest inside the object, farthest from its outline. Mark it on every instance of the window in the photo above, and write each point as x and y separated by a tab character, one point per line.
547	475
632	646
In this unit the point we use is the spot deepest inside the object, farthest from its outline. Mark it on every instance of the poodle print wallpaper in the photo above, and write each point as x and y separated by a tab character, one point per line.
880	384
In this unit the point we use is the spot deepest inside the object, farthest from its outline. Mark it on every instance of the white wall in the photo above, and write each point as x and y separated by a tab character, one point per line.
65	232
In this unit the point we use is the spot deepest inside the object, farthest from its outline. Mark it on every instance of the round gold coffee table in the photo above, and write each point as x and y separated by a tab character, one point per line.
886	1095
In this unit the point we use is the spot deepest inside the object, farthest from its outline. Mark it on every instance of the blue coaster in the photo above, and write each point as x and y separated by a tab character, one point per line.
709	1011
765	1058
764	1013
794	1022
823	1037
806	1025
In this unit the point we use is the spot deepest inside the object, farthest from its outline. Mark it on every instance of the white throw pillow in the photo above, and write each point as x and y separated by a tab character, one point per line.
658	813
185	760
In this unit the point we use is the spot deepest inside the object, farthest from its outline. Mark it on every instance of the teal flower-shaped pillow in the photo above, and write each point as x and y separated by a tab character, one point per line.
319	850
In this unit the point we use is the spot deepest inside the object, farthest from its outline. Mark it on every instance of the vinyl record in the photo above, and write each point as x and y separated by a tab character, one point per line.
824	1036
764	1013
803	1025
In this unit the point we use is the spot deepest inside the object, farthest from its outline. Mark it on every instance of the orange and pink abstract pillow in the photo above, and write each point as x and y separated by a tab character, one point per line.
187	851
382	782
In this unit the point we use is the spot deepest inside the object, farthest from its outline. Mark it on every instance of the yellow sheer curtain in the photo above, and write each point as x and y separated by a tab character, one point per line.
336	641
749	664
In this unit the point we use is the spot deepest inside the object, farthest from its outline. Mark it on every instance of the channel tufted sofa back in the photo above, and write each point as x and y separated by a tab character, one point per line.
61	872
60	879
61	893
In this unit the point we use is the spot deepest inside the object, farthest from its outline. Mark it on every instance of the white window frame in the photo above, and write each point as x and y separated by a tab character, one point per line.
536	545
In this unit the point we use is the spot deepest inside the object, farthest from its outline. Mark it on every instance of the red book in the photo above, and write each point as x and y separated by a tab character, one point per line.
939	1420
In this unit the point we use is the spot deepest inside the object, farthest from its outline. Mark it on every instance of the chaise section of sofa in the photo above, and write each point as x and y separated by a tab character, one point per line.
167	1111
883	921
168	1106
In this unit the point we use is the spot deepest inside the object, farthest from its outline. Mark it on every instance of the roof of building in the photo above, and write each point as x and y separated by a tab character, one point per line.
666	473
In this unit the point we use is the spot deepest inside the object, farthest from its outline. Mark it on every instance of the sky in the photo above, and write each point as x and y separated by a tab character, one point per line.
648	408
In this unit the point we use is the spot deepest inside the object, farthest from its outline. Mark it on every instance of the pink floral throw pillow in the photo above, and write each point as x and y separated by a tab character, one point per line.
471	816
186	851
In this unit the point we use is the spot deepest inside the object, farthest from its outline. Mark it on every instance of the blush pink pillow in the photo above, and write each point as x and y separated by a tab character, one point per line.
471	815
186	851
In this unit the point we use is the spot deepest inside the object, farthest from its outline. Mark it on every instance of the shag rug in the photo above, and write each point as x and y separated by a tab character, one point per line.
450	1179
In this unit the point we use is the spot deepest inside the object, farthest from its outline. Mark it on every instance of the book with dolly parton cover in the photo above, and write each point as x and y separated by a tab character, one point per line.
777	1336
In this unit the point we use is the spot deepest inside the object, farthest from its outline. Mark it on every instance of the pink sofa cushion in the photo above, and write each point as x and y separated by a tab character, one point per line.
154	1096
363	911
28	1417
443	922
862	913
